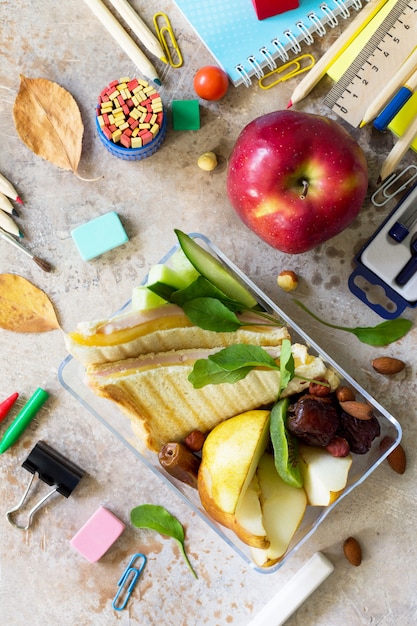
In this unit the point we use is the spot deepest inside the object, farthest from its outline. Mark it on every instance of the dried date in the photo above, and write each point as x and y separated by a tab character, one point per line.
313	420
358	433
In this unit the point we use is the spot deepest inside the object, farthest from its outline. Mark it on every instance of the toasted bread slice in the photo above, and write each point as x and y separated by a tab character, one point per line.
161	329
155	393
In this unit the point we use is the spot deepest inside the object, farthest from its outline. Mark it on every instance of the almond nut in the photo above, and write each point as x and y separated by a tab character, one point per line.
353	551
360	410
396	459
388	365
345	394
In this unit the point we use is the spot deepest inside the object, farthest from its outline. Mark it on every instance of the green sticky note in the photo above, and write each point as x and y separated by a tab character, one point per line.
100	235
185	115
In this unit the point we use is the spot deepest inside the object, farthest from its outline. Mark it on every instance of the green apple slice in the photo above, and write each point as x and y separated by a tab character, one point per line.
214	271
285	446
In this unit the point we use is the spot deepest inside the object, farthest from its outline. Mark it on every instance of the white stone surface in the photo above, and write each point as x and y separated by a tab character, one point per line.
42	580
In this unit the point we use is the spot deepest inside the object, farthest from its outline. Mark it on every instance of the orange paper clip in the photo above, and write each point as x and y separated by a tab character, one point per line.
289	70
167	40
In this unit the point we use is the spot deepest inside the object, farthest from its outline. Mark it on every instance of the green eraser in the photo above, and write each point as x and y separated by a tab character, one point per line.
185	115
100	235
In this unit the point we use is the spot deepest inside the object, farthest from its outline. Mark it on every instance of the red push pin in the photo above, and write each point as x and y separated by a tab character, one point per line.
7	404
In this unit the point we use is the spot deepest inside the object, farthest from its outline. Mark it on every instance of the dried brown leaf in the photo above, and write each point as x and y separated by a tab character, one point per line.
25	308
48	121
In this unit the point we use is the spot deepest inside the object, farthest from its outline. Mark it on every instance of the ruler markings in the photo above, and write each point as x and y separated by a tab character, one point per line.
386	50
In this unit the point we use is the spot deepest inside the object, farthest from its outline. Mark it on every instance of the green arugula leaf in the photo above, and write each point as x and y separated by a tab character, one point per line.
158	518
379	335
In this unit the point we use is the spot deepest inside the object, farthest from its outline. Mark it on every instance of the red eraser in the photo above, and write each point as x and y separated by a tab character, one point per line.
269	8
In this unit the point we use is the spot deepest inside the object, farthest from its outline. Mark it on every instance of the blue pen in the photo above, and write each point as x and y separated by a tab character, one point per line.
390	111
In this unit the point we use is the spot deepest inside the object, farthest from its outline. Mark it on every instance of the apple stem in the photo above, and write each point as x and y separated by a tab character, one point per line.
305	189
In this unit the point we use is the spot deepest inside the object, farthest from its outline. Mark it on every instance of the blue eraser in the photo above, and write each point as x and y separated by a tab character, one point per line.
100	235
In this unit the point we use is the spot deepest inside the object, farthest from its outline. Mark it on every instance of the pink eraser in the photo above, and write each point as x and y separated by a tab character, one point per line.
98	534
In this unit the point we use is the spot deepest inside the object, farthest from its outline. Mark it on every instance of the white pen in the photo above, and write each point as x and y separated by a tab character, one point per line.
6	205
9	225
123	39
141	30
7	188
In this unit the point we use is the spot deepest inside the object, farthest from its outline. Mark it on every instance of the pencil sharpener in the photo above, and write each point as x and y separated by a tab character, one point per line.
385	277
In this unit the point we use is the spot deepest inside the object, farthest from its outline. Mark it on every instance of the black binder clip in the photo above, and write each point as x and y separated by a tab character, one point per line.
53	469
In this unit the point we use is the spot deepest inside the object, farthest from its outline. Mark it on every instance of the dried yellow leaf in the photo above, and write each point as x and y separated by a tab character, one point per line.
48	121
25	308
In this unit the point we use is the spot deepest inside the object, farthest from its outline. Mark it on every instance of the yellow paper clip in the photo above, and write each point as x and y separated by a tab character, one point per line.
169	44
291	69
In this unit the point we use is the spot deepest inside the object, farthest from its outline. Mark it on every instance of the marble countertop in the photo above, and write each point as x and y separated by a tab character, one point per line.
43	580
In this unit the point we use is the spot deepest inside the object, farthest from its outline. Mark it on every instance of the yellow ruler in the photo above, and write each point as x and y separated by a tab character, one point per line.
376	62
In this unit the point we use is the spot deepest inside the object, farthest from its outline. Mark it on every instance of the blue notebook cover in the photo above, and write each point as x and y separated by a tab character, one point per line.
244	46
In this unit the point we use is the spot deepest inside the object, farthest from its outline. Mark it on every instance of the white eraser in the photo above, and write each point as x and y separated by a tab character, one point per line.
294	592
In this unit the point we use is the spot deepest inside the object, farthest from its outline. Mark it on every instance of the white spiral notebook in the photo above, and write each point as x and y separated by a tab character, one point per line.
246	47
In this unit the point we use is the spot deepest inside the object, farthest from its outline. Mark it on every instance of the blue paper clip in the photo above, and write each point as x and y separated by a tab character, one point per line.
125	585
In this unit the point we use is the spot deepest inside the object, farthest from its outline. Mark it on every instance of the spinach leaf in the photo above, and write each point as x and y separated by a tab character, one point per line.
211	314
286	365
380	335
235	362
158	518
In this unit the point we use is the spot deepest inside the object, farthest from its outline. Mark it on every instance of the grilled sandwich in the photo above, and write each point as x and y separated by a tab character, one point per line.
161	329
154	391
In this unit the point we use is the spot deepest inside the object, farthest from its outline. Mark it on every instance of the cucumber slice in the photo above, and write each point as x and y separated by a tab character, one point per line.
285	446
163	280
144	299
182	265
214	271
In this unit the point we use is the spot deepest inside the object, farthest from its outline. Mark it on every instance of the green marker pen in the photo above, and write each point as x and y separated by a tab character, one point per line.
23	419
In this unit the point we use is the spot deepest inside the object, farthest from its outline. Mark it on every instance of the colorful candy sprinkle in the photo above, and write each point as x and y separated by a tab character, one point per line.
130	112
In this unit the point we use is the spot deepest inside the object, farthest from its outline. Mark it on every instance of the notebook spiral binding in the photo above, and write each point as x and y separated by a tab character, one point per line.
295	40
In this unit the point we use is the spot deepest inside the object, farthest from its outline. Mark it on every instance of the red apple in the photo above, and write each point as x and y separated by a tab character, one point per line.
296	179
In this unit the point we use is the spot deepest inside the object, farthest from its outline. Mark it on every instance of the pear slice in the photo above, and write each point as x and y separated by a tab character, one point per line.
324	475
248	524
230	456
283	508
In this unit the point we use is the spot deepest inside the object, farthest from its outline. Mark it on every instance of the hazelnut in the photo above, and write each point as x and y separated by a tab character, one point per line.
287	280
195	440
207	161
345	394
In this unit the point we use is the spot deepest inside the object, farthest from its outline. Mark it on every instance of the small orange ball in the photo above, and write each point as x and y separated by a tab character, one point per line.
211	83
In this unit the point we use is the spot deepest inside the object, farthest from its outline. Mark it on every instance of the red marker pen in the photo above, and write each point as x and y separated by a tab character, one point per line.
7	404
